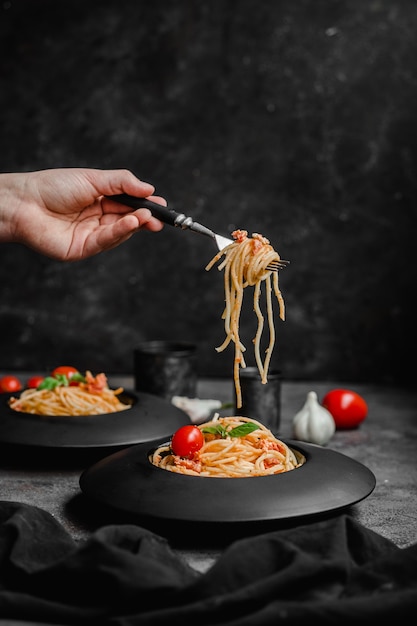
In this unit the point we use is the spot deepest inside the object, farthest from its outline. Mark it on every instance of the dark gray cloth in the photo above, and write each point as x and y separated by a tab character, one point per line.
332	571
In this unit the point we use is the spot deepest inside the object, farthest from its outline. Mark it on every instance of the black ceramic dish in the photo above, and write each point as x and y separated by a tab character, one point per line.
149	418
128	483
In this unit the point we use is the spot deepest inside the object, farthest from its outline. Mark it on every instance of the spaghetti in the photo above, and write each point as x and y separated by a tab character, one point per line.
245	264
228	454
90	398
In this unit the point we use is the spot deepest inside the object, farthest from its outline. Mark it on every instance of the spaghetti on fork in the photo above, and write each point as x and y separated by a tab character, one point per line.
245	265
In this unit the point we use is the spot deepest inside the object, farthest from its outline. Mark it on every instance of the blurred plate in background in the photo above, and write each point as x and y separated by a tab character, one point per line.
150	418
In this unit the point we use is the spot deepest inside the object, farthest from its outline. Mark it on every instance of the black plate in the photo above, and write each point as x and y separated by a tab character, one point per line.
126	481
150	418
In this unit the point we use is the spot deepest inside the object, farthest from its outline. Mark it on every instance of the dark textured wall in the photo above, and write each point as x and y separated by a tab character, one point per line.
294	119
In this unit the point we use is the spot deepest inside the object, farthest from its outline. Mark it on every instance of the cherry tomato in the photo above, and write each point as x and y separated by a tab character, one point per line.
9	384
187	440
347	407
66	370
34	381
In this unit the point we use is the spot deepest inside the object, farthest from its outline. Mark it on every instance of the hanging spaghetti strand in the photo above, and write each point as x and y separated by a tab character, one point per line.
245	263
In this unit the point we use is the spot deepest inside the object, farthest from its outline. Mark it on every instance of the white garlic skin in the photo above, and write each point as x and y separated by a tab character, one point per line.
313	423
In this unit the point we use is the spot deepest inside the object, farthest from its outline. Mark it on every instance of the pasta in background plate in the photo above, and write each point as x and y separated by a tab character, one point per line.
91	396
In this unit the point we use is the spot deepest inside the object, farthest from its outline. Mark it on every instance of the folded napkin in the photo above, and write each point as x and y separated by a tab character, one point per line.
331	571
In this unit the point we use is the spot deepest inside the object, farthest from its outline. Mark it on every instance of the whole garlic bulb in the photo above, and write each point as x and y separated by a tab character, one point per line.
313	423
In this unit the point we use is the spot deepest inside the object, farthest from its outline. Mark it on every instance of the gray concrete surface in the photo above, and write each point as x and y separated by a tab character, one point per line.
386	442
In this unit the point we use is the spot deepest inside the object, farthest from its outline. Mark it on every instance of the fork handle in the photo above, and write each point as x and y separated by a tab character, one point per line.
168	216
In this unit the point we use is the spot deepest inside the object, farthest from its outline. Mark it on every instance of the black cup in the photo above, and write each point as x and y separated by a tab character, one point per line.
261	401
166	368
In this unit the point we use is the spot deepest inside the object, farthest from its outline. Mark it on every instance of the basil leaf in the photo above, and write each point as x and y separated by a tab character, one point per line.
243	429
239	431
219	429
78	378
62	380
50	382
59	380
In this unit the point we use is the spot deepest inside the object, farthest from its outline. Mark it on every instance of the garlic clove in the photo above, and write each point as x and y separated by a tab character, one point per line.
313	423
198	409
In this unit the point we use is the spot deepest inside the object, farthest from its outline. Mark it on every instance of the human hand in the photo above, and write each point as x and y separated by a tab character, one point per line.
63	213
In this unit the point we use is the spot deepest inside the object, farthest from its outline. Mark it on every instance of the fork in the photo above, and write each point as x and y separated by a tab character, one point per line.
171	217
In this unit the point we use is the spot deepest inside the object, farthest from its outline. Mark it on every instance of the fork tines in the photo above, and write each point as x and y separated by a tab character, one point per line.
274	266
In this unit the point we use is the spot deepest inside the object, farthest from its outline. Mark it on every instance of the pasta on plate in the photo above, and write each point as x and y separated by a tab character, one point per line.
245	265
92	397
234	447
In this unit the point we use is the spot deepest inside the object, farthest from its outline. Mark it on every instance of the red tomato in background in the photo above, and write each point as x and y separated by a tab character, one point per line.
10	384
187	440
347	407
34	381
66	370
